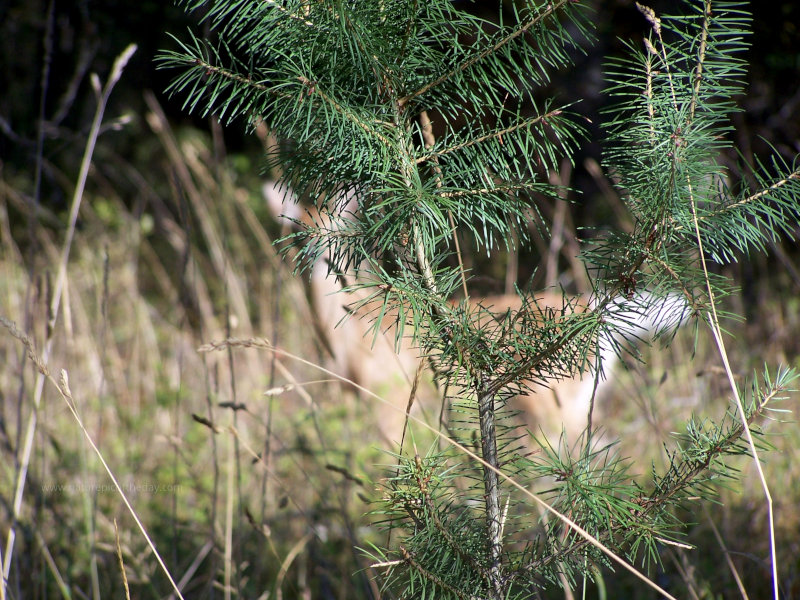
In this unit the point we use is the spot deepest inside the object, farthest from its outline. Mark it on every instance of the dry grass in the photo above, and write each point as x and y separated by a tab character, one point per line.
244	493
652	403
226	479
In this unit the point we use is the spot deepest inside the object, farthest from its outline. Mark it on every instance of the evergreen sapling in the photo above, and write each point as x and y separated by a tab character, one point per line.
430	118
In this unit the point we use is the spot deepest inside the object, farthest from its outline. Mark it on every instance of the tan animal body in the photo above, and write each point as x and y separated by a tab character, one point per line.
358	355
562	404
371	362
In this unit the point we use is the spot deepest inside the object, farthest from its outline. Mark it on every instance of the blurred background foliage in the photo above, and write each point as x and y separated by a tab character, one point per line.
173	250
86	36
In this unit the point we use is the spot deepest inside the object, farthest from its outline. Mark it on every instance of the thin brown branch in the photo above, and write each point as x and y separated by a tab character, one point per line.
453	543
236	343
209	69
491	135
408	558
481	191
676	279
314	89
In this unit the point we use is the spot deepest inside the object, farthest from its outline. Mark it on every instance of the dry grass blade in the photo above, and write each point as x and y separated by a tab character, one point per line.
713	321
121	563
51	564
185	169
62	386
287	562
265	345
102	100
230	500
727	555
187	576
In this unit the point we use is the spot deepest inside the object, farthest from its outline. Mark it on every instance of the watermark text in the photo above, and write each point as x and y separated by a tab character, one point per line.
72	488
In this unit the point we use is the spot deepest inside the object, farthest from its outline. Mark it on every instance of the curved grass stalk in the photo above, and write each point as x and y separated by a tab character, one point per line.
264	344
62	386
30	430
713	322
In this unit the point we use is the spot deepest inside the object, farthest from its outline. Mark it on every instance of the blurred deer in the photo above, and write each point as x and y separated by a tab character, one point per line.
561	405
357	354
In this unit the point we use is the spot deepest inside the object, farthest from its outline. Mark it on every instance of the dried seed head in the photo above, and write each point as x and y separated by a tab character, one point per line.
651	17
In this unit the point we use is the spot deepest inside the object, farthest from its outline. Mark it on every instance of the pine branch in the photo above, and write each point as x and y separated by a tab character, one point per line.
494	135
314	90
499	189
535	19
428	575
350	87
209	69
704	450
454	544
655	23
749	200
292	15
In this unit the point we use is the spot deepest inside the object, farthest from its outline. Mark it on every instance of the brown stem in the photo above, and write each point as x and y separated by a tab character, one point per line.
491	485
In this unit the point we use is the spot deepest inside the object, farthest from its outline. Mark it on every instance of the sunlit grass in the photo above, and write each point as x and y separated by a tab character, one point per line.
193	439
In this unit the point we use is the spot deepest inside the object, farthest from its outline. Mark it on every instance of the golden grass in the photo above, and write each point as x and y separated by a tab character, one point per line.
245	493
142	294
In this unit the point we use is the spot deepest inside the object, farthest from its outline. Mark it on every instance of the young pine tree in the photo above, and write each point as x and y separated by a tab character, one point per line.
428	117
